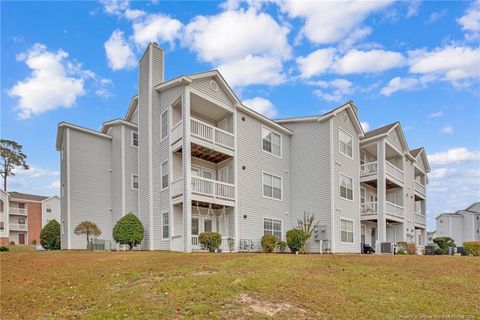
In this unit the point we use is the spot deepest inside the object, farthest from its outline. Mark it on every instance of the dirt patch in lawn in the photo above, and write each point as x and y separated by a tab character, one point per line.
267	308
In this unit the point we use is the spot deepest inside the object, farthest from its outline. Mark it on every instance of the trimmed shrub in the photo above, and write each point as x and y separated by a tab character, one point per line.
128	230
472	248
210	241
50	236
89	230
34	242
282	246
4	249
12	243
406	248
295	239
269	243
438	251
444	243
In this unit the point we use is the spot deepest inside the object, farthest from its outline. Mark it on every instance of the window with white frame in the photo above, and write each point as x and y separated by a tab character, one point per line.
165	225
272	186
272	227
346	143
346	230
165	175
346	187
134	182
134	140
271	142
165	124
207	225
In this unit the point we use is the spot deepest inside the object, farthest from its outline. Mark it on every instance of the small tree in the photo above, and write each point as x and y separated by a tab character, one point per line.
50	236
295	239
444	243
307	225
210	241
12	156
88	229
128	230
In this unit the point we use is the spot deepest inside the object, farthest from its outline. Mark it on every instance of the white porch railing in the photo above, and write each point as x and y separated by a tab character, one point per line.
19	211
213	188
212	134
420	188
197	247
3	217
394	209
177	187
420	218
368	168
16	226
394	171
369	208
176	132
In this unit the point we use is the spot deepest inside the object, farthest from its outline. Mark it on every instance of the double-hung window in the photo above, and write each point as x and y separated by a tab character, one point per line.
134	182
346	143
272	227
164	124
272	186
271	142
165	225
347	230
165	174
134	139
346	187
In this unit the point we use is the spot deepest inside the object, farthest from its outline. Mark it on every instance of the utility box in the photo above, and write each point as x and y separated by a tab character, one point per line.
320	233
386	247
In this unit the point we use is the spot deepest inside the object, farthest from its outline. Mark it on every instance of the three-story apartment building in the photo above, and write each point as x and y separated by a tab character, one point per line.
189	157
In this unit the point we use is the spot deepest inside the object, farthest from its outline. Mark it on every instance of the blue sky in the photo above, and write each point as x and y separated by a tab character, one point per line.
416	62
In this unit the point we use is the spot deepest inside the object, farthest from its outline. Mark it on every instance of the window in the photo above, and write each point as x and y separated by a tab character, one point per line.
195	226
21	205
272	186
165	175
2	226
346	187
362	195
165	225
347	231
165	124
49	208
134	141
272	227
134	182
207	225
271	142
346	143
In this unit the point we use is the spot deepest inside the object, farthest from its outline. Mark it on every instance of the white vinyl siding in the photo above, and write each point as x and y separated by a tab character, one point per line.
271	142
347	231
272	186
134	139
134	182
165	225
346	143
165	175
346	187
165	124
272	227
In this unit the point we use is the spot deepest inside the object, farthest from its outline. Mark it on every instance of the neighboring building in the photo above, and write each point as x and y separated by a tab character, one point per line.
189	157
430	236
461	226
21	216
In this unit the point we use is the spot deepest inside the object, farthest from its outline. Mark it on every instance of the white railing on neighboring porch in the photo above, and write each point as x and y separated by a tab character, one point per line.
394	209
177	187
369	168
19	211
369	208
177	132
394	171
420	188
197	247
212	134
213	188
17	226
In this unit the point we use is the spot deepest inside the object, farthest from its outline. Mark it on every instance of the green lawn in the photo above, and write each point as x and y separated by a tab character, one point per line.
152	285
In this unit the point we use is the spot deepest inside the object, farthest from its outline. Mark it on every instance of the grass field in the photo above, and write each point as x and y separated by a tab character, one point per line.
156	285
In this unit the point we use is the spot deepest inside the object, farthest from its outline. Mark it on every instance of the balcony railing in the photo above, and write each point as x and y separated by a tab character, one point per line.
393	171
17	226
420	188
212	134
177	187
197	247
177	132
369	208
420	218
213	188
18	211
369	168
394	209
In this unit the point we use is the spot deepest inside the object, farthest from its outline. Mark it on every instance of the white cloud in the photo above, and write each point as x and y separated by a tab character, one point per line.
435	16
156	28
365	126
436	114
54	185
455	155
333	91
408	83
262	106
470	22
35	172
413	8
316	63
331	21
119	53
372	61
133	14
53	82
253	70
115	7
447	130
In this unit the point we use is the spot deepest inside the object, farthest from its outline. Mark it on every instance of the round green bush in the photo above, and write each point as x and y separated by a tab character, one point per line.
34	242
210	241
50	236
269	243
295	239
472	248
282	245
128	230
3	248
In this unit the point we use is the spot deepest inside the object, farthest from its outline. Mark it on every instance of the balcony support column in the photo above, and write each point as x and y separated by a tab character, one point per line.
187	172
382	195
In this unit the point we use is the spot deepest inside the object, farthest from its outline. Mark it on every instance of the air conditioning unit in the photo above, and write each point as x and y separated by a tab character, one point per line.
320	233
386	247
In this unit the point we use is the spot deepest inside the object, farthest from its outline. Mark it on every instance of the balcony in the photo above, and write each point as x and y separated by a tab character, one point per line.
420	219
369	208
18	227
18	211
420	188
394	210
207	190
368	169
396	174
